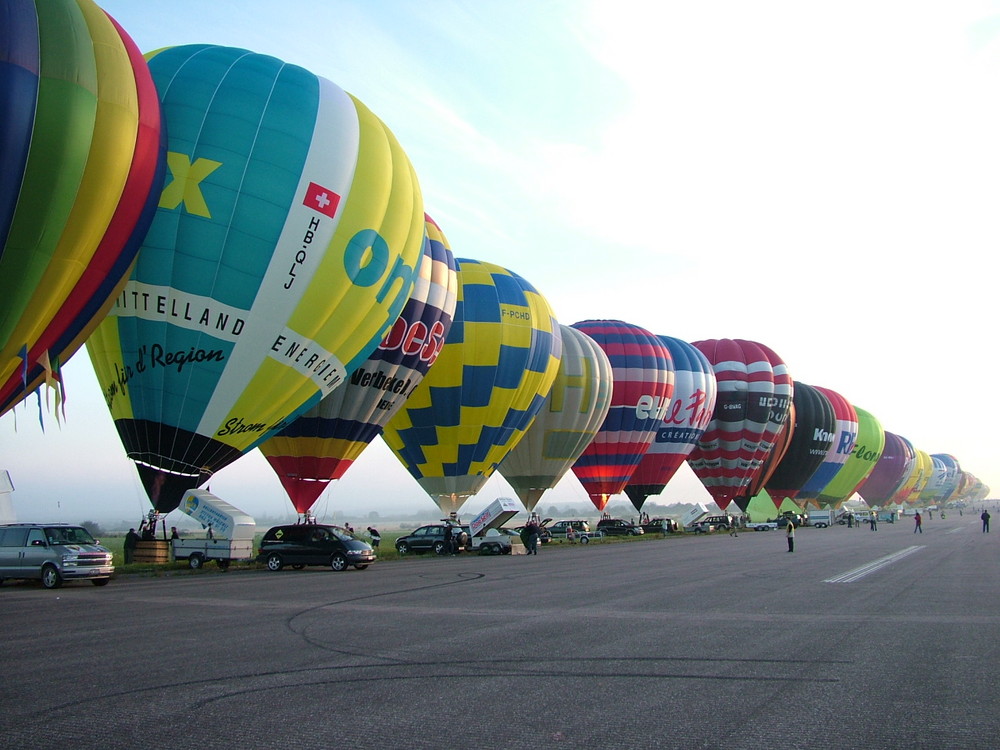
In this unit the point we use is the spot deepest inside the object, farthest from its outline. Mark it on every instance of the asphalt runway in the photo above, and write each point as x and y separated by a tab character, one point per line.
859	639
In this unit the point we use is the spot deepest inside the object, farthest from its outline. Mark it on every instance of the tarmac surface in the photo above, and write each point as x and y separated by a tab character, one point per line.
858	639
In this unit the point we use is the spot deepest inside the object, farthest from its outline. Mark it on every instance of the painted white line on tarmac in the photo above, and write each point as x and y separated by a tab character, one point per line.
858	573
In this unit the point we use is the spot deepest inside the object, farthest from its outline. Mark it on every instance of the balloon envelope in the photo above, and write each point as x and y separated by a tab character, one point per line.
321	445
845	435
864	456
754	397
490	380
81	163
569	419
283	248
813	434
643	375
891	469
691	409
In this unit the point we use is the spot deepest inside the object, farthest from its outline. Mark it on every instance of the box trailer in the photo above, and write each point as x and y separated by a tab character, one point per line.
485	536
229	531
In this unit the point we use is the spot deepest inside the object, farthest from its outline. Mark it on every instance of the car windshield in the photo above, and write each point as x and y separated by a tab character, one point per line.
68	535
342	534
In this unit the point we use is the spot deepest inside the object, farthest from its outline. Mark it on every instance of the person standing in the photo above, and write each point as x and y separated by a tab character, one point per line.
986	521
449	540
131	540
790	534
173	533
732	526
873	520
532	529
376	537
918	521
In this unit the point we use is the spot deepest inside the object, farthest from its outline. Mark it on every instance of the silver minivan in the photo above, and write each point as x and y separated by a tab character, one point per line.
53	553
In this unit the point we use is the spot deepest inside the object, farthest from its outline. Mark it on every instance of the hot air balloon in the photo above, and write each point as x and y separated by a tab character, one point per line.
914	484
283	249
643	376
81	162
569	419
490	380
845	435
952	477
691	409
814	425
321	445
755	395
860	463
891	470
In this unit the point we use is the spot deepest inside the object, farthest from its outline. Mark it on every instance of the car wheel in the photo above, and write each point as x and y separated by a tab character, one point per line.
101	581
224	564
584	540
195	561
439	548
338	563
402	548
50	577
274	562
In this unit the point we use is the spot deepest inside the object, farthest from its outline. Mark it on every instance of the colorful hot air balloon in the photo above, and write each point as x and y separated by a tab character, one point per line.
81	163
643	376
490	380
321	445
845	435
891	469
951	479
283	249
914	484
569	419
814	425
755	396
864	456
690	412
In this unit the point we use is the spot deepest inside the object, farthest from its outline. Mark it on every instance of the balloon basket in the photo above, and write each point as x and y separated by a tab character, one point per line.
155	551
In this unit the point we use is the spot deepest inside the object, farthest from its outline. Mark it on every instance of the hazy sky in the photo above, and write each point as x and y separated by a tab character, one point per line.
821	177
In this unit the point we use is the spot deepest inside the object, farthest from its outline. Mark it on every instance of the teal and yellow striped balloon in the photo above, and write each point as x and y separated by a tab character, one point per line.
490	380
284	247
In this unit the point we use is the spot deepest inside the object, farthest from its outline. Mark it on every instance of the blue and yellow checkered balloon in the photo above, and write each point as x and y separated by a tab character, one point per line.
491	378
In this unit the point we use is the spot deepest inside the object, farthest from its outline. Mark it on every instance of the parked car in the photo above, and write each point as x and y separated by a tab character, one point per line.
660	526
432	538
618	527
53	553
719	523
304	544
581	530
558	529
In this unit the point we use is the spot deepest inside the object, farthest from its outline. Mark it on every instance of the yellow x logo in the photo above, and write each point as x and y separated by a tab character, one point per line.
185	186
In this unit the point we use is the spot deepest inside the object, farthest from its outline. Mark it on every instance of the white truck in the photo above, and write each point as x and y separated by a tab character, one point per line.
485	536
229	532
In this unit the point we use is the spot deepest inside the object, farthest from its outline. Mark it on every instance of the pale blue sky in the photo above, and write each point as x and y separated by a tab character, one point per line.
819	177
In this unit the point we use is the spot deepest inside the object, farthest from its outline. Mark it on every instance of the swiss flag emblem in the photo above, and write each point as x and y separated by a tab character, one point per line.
319	198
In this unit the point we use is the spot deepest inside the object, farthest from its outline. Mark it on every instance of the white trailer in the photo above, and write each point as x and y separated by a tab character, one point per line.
229	531
821	519
485	536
